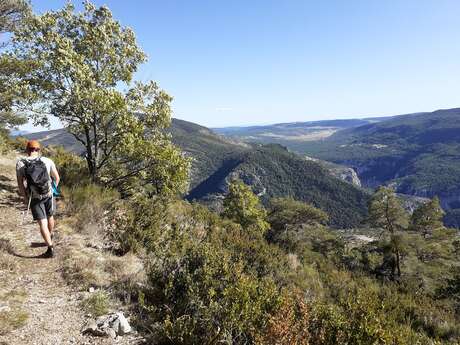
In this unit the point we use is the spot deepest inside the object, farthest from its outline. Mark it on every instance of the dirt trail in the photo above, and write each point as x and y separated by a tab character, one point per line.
33	294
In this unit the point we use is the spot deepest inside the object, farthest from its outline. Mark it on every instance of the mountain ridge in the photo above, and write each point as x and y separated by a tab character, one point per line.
417	154
271	170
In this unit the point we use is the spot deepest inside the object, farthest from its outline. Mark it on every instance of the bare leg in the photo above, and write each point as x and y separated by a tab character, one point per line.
51	224
43	223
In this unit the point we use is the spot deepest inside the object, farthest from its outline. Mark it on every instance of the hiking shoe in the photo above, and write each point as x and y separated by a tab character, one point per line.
49	253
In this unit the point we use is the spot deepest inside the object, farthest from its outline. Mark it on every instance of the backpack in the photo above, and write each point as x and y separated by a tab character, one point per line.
37	176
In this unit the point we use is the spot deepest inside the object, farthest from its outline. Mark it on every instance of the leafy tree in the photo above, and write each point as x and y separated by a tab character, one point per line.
243	206
284	212
11	13
387	213
82	61
428	217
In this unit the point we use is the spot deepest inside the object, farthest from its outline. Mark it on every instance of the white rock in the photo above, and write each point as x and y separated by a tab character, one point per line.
91	289
124	326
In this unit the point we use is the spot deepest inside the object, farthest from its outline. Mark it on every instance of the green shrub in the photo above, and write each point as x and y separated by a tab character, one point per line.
243	207
72	168
89	204
204	296
96	304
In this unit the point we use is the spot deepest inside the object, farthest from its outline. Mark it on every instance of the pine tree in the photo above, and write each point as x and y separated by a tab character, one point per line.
428	217
285	212
387	213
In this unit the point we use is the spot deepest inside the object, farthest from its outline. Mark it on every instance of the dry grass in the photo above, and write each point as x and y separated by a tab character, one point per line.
85	266
12	316
7	262
97	304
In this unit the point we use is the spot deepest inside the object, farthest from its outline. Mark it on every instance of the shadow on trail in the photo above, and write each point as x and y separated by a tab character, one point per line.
6	246
38	244
7	186
23	256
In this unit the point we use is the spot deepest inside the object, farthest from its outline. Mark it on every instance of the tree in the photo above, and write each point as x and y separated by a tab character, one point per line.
82	62
11	14
284	212
428	217
387	213
243	206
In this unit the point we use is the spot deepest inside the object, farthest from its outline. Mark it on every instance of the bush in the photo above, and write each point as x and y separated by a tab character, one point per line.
72	168
204	296
96	304
89	204
243	207
289	325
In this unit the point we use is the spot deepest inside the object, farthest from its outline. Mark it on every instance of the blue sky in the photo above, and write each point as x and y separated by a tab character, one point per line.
265	61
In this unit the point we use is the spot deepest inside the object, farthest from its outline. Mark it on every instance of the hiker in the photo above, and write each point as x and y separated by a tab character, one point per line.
36	175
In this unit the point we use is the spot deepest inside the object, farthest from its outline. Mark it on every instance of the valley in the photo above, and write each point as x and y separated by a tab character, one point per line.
417	154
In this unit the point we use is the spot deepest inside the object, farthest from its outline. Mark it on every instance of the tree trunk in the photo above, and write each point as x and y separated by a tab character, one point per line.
92	168
398	266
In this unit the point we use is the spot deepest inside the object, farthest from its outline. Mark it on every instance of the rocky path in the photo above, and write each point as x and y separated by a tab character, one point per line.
36	304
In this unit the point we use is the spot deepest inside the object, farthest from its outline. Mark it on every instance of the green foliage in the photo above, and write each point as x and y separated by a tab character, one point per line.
88	203
362	317
428	217
243	206
76	79
206	296
72	168
284	212
210	281
9	117
275	172
97	304
11	13
386	211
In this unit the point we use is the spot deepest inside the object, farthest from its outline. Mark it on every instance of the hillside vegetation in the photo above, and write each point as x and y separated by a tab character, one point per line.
263	267
271	170
419	154
255	273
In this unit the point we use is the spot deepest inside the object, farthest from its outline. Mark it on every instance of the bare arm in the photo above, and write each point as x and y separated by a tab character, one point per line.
21	186
55	175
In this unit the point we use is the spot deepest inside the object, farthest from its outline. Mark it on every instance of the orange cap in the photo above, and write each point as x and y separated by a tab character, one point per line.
32	144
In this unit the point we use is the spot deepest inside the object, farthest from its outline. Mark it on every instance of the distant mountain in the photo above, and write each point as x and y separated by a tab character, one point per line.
270	169
295	133
57	137
419	154
16	132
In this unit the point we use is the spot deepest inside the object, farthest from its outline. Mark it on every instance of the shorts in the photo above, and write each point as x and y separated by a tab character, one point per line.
42	208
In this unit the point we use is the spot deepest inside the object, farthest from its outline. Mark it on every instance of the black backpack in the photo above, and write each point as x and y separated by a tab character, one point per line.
37	176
